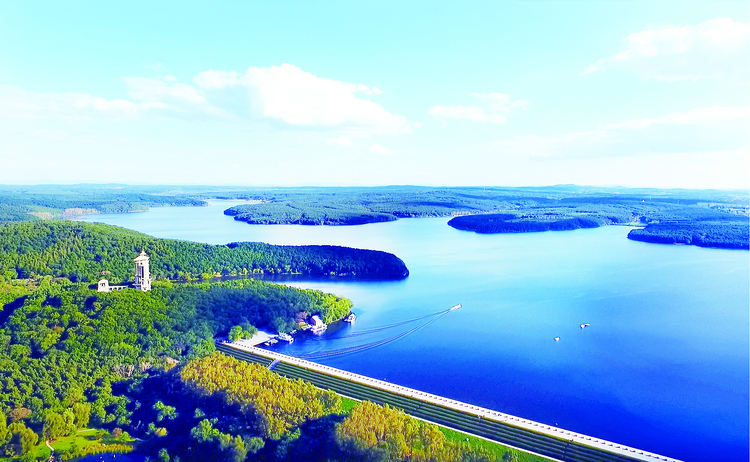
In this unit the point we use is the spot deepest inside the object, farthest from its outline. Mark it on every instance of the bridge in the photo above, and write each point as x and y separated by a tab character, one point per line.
546	440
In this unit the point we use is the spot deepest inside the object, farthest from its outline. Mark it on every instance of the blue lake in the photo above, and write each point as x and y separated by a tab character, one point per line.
663	367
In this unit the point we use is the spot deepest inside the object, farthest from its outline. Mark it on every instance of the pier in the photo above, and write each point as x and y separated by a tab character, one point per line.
546	440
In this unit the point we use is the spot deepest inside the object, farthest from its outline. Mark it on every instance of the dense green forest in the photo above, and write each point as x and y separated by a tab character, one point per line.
288	420
510	223
87	252
354	206
144	364
70	356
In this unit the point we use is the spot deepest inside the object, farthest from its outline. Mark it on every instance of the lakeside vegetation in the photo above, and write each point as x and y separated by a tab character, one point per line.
666	221
71	356
712	218
705	218
88	251
729	233
144	364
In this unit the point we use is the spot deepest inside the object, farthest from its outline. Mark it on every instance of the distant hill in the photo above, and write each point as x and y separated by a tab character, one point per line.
715	218
45	202
89	251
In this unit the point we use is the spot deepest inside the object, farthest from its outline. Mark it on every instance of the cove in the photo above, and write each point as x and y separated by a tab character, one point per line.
662	367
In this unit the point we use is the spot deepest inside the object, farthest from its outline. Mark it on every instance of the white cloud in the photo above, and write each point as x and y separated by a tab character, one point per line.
288	94
16	103
495	102
284	94
381	150
712	114
713	49
156	90
501	102
340	141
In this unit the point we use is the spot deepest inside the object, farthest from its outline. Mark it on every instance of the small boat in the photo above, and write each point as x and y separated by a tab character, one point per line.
557	339
583	326
271	341
455	307
286	337
351	318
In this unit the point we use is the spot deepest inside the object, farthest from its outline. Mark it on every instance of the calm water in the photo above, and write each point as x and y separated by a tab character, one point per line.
663	366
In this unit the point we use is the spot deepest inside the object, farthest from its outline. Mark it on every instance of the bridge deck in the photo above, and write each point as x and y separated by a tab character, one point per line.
504	428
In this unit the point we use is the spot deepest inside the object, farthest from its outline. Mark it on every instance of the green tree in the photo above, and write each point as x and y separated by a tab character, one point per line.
164	411
236	333
54	426
4	432
163	455
82	413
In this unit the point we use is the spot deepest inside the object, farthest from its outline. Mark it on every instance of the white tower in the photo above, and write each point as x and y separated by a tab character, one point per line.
142	276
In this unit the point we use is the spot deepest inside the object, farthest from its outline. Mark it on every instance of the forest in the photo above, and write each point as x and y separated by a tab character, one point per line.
143	365
714	218
706	218
71	357
510	223
87	252
665	222
728	233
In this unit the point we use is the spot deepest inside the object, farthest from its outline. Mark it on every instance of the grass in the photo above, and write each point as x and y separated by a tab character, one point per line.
496	449
83	438
347	404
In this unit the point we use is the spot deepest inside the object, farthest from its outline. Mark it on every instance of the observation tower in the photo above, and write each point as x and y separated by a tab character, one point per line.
142	275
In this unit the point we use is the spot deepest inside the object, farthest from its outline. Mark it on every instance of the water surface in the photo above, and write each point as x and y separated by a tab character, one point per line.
663	366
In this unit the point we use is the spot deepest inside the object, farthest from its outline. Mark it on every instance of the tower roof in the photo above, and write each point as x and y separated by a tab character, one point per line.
141	256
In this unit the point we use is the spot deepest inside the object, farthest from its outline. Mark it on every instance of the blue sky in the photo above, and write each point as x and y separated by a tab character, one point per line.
624	93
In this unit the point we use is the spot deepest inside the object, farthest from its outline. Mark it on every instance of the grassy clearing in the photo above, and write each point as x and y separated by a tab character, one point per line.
497	449
82	439
347	404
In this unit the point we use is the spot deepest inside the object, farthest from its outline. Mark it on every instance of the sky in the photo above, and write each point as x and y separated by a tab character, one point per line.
499	93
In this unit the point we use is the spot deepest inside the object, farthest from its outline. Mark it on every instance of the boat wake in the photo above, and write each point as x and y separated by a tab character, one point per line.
342	351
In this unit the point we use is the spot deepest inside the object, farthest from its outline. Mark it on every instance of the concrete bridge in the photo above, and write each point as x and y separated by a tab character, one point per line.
542	439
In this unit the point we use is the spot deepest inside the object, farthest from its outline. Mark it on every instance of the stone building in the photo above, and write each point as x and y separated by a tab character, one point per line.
142	276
